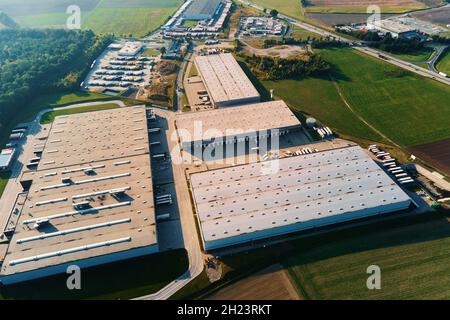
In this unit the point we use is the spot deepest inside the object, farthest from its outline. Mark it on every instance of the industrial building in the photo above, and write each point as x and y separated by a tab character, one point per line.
241	204
89	202
231	125
406	26
262	26
202	9
211	16
395	28
225	81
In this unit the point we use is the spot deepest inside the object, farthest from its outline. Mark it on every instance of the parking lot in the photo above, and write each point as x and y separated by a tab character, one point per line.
115	73
166	205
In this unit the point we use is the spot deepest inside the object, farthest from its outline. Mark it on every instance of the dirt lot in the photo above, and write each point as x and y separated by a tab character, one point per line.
437	154
332	19
437	15
284	51
272	283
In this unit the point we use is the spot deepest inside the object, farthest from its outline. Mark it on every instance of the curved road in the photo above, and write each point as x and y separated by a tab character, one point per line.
432	62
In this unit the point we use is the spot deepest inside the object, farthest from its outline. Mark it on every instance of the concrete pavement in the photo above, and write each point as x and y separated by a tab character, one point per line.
188	224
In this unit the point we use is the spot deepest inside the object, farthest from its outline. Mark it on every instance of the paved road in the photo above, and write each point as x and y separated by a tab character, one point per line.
434	59
359	46
25	151
188	226
178	101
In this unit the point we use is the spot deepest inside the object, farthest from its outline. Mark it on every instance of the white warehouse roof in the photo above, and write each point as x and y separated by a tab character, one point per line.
240	204
246	119
225	81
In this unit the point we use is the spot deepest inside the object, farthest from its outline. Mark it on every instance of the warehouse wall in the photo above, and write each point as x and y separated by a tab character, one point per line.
225	242
53	270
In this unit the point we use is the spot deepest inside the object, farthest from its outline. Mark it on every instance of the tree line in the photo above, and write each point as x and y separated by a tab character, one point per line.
276	68
34	62
387	42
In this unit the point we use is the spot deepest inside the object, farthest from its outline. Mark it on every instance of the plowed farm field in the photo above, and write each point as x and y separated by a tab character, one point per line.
360	6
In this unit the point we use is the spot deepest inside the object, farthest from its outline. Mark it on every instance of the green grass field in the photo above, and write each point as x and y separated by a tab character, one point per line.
4	177
444	63
417	56
127	17
302	34
117	20
28	113
50	116
190	23
120	280
292	8
405	107
151	52
413	260
48	20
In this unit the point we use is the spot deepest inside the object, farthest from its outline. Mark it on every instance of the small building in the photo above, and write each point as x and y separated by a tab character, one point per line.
395	28
6	158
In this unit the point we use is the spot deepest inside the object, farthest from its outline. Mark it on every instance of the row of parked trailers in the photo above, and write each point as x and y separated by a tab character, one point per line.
391	166
324	132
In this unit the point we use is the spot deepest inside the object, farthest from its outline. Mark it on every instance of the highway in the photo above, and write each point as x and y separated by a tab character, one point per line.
360	47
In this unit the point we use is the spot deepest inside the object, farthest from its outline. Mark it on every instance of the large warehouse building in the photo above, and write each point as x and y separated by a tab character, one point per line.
202	9
225	81
230	125
239	204
90	201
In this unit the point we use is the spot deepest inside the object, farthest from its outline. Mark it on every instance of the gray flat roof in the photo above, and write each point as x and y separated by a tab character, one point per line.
394	26
202	7
224	78
116	198
250	118
248	198
101	135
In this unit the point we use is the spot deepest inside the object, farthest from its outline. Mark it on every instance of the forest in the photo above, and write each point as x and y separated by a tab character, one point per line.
276	68
34	62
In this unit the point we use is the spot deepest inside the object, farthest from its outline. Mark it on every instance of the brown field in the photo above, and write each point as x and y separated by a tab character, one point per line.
361	3
332	19
353	6
433	3
272	283
436	154
437	15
